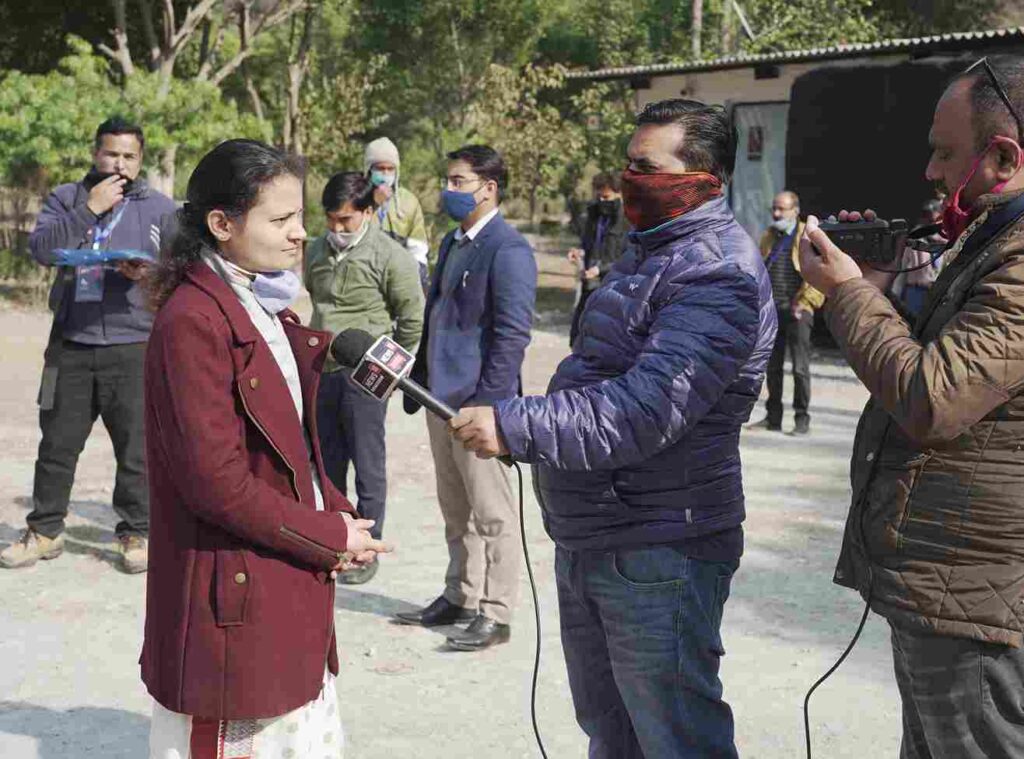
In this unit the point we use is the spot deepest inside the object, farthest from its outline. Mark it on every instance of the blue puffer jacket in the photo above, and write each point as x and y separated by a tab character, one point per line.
637	440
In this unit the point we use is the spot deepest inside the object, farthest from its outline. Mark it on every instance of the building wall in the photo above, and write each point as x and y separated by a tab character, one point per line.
739	85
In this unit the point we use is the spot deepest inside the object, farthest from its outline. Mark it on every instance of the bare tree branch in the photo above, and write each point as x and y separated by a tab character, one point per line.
207	61
282	12
169	24
254	93
149	30
195	15
107	51
298	67
122	54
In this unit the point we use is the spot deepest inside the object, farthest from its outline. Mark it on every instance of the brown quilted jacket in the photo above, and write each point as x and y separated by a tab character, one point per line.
935	536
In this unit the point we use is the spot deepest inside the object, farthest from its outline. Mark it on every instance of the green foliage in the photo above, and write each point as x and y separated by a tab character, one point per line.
47	120
537	143
430	74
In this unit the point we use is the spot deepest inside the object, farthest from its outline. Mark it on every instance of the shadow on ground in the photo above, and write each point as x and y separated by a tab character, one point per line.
62	734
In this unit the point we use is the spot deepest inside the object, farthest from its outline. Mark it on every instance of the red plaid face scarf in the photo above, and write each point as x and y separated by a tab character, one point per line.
653	199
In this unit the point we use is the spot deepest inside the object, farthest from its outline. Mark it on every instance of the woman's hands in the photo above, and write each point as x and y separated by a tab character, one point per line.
361	547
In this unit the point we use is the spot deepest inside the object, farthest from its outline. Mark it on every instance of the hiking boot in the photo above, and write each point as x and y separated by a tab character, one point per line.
766	424
134	551
31	548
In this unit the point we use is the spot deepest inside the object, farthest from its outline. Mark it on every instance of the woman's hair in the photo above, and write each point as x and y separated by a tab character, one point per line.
229	178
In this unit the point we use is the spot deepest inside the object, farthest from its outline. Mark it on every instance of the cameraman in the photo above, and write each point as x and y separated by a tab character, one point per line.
935	536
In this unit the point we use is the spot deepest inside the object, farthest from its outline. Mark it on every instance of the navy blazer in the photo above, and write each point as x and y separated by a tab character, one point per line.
472	353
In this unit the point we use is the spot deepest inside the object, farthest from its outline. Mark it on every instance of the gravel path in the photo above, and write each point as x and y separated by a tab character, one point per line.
70	630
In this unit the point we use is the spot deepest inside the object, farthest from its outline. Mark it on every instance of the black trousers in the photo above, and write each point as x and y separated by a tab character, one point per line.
794	337
90	382
351	428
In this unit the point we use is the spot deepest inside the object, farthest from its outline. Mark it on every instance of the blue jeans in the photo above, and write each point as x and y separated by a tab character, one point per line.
640	632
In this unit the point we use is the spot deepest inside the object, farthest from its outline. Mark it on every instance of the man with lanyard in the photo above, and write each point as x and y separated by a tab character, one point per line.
94	360
398	213
795	304
934	539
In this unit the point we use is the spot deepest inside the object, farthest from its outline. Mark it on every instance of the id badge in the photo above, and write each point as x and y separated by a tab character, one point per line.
89	283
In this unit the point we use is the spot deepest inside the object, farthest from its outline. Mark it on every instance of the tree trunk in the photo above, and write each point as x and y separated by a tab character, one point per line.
298	66
727	35
696	28
254	94
161	178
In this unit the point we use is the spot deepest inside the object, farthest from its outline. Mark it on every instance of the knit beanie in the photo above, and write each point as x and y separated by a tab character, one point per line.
381	150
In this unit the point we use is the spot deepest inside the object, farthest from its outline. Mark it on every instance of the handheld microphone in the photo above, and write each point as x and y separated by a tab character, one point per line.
381	366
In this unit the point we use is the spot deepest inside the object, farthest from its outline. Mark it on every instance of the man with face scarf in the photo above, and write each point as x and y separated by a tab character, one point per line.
795	304
636	448
398	212
934	539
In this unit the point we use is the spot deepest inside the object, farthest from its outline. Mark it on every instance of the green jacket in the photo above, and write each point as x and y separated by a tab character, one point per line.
403	222
375	287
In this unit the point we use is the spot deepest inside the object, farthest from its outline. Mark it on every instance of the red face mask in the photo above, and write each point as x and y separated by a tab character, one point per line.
650	200
955	218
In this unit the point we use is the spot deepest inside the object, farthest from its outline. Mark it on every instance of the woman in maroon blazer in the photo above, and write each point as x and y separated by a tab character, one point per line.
247	530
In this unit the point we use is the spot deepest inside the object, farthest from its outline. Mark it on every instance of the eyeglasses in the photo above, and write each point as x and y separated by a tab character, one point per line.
998	87
459	183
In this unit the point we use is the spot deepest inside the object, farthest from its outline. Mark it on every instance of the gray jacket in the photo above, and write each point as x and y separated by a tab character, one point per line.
66	222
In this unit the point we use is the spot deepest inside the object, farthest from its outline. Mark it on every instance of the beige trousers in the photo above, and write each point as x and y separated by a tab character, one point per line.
480	525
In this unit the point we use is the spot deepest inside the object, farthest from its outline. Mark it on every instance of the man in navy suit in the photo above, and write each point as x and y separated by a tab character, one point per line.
476	329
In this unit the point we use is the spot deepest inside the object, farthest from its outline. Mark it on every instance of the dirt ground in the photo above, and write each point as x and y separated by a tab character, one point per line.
70	630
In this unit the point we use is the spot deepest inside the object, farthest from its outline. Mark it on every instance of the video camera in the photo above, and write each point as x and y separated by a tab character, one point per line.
877	243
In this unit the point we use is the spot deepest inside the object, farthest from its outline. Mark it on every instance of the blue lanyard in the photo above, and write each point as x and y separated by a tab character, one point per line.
103	233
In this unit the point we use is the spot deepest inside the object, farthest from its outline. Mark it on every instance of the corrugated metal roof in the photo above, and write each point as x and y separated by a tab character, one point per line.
936	43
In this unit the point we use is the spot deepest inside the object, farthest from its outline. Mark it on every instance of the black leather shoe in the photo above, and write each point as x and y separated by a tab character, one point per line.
803	426
440	612
482	633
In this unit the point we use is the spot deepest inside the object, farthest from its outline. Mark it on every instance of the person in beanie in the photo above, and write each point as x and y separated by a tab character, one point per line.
398	211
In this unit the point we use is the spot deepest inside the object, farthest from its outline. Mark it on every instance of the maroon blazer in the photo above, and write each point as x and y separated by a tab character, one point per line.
239	601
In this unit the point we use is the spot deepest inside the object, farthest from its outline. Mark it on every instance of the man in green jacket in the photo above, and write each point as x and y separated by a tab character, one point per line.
358	278
398	212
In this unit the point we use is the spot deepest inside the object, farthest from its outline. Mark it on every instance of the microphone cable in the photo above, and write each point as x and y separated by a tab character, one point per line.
827	675
536	612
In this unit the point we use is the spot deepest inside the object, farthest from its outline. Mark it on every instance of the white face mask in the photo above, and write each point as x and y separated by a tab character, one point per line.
345	240
784	225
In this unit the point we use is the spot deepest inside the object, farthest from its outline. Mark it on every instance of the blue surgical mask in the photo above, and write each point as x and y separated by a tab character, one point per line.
378	178
784	225
457	204
276	290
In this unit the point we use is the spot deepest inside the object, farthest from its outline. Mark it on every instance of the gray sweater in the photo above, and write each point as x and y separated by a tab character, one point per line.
66	222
